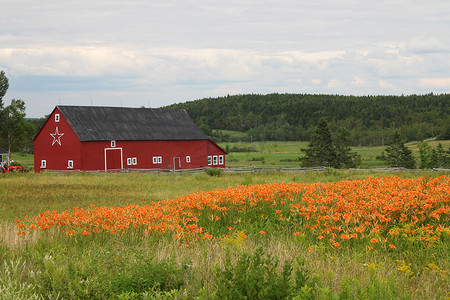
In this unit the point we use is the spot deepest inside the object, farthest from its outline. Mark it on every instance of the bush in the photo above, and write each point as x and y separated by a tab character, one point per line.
254	276
214	172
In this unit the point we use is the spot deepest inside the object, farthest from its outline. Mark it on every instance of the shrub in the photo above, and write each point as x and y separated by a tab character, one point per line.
214	172
254	276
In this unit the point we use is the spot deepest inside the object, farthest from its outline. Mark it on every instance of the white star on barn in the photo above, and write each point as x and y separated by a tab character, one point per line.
56	136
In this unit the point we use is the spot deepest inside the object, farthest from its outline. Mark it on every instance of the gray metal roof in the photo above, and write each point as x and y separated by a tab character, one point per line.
93	123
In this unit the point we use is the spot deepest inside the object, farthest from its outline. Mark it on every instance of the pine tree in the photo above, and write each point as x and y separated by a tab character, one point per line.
320	151
344	155
398	155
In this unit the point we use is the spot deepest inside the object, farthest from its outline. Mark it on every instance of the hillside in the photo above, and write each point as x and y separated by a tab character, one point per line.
369	119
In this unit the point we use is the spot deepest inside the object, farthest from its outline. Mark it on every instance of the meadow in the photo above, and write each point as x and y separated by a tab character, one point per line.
287	154
310	235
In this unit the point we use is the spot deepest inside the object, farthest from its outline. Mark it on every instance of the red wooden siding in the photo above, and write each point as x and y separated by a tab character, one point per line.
56	150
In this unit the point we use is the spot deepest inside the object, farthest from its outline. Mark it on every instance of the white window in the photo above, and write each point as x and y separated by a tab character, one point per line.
209	160
134	160
113	144
215	160
188	159
157	160
70	164
56	117
220	159
129	161
43	164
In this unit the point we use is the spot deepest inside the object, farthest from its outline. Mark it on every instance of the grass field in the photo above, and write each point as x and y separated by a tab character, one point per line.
324	235
286	154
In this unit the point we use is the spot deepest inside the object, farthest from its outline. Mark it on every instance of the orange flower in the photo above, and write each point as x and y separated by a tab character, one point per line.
373	241
392	246
297	233
320	237
262	232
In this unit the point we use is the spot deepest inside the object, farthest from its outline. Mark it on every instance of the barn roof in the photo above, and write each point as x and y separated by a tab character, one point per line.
93	123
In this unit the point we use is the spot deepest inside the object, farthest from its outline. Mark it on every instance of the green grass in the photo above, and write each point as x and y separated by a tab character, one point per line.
52	265
286	154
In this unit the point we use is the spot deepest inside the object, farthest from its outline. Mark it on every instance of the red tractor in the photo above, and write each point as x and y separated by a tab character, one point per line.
10	169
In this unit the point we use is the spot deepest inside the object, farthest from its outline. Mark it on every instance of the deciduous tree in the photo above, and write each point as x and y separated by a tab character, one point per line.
15	131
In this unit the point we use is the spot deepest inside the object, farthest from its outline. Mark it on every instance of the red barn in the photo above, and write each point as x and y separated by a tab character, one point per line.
92	138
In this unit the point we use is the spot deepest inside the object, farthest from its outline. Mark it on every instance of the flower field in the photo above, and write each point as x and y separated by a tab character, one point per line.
379	212
326	235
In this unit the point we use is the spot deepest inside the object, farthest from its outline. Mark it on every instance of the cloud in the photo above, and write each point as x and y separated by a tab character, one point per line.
172	50
435	82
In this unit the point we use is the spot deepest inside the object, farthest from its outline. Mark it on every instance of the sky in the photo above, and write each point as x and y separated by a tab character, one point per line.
155	53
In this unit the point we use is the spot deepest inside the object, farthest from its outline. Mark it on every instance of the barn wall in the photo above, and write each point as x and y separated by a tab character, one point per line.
173	154
56	150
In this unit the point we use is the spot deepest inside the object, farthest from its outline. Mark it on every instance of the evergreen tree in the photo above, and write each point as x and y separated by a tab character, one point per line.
425	152
439	157
344	155
320	151
398	155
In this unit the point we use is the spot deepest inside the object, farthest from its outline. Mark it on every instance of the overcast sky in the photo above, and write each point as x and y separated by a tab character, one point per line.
154	53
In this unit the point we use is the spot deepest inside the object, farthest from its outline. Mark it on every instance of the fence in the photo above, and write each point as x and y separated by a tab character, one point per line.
247	170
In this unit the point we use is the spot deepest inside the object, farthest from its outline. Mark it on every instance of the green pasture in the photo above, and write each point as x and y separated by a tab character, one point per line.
286	154
52	265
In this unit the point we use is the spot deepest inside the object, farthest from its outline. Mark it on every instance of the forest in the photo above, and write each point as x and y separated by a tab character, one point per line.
370	120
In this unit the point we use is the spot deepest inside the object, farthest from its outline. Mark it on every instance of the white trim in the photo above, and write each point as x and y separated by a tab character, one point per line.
43	163
57	118
220	159
215	160
129	162
175	164
134	161
188	159
113	144
121	157
209	160
159	159
70	164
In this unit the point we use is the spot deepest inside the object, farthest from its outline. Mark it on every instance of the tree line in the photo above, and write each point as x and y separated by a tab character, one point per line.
333	150
370	120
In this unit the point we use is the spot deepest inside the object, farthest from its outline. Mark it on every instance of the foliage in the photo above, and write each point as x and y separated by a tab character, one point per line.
345	158
433	157
325	150
15	131
214	171
282	117
254	276
320	151
398	155
4	85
